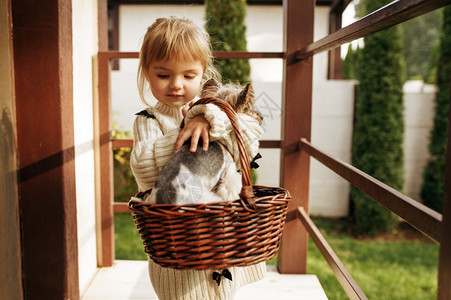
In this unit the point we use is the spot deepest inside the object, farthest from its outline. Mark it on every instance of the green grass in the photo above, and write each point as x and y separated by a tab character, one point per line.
402	265
128	244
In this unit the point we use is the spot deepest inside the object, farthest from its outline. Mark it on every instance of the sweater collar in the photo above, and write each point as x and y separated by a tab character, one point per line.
170	112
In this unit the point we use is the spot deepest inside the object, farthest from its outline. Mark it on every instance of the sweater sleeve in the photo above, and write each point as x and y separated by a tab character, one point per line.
151	150
222	130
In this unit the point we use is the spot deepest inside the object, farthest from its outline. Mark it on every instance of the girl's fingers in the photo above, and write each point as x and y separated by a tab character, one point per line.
179	142
194	141
205	139
183	136
195	129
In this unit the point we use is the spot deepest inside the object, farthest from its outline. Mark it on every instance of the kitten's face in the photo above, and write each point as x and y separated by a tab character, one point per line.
240	98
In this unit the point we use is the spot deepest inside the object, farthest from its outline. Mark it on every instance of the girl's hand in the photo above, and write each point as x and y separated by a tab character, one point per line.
197	128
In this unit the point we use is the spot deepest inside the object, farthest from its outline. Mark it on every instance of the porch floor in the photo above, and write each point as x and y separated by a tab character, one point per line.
129	280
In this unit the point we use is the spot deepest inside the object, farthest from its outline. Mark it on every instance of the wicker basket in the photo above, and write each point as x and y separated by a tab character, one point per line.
215	235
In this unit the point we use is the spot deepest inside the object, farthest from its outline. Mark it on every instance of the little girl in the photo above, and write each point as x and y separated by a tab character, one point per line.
175	59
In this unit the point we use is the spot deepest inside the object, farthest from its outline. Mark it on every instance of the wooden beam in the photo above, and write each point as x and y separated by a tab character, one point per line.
339	5
244	54
348	283
104	131
296	110
121	207
334	63
216	54
266	144
43	71
421	217
389	15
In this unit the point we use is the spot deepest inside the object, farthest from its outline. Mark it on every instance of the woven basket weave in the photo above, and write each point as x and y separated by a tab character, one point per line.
215	235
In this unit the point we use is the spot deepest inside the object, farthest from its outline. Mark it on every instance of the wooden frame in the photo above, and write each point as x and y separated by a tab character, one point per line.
43	79
106	144
348	283
296	122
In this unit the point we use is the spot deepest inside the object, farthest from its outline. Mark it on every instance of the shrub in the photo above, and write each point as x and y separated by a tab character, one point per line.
225	24
379	124
350	64
124	182
434	173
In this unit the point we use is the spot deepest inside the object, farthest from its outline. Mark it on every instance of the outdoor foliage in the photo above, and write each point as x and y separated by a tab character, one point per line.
379	124
124	182
350	64
434	173
419	50
225	24
402	265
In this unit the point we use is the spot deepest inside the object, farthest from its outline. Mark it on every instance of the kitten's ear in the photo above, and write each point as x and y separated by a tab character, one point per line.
210	87
246	95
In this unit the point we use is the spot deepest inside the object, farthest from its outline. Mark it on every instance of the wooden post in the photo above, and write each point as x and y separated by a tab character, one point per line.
444	266
335	65
103	147
105	157
297	106
43	82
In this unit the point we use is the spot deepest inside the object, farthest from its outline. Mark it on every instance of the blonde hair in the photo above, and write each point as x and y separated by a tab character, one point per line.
174	39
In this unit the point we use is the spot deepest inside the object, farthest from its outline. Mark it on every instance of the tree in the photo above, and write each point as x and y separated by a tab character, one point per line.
225	24
434	173
350	63
379	124
417	48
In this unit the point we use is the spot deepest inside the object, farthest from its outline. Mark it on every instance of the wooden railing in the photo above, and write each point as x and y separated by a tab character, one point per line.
432	224
429	222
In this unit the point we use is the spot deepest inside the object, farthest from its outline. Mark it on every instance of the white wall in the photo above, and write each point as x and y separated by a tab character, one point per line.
418	114
84	18
332	117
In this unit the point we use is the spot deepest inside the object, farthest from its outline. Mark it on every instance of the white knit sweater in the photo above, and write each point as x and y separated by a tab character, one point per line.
154	142
155	137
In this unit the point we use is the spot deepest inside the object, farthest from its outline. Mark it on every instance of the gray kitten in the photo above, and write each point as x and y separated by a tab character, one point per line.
205	176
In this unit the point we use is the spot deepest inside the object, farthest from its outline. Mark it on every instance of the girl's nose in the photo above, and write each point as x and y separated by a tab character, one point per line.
176	84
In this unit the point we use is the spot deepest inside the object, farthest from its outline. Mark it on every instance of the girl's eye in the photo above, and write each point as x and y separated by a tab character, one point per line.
190	76
163	76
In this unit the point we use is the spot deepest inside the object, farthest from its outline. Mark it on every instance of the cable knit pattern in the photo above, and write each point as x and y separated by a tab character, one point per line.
154	143
170	284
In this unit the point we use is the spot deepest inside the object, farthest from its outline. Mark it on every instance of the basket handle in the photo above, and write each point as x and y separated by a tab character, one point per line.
247	193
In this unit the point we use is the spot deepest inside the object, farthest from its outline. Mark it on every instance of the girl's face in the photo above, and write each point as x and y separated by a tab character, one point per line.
175	83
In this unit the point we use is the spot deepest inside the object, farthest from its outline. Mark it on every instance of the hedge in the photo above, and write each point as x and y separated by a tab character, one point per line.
379	124
226	26
434	173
